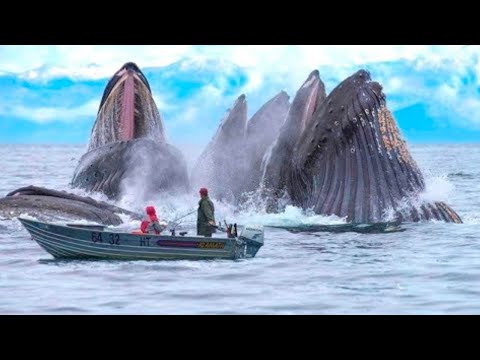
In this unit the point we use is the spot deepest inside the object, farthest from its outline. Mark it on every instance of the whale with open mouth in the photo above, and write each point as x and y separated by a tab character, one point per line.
344	155
127	153
128	148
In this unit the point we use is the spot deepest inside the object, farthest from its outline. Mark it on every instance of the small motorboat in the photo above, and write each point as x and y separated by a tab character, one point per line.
80	241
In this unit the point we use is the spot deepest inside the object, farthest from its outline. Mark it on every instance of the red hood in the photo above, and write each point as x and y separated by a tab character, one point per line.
152	213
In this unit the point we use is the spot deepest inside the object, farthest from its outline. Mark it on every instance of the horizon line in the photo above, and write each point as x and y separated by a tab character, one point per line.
426	142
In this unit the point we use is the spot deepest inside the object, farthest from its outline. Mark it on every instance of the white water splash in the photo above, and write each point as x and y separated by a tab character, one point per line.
437	188
172	207
291	216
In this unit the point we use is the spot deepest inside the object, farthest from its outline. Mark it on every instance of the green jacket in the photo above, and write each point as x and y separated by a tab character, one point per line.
206	212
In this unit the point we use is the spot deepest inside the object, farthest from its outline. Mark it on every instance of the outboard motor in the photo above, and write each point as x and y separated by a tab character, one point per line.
253	237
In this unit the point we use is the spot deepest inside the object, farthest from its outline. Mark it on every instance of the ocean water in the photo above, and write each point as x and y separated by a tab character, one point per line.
431	268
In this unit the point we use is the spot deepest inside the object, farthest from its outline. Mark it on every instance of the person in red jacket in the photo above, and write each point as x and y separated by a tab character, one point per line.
151	224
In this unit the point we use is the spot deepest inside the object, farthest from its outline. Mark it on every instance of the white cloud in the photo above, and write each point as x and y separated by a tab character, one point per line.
199	108
96	61
52	114
458	103
163	103
189	115
83	61
269	69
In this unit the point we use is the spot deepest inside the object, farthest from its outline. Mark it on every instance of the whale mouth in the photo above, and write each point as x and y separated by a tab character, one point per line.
128	67
127	117
127	83
127	110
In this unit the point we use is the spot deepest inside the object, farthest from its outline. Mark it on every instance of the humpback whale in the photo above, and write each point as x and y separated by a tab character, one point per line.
128	148
230	165
45	203
344	155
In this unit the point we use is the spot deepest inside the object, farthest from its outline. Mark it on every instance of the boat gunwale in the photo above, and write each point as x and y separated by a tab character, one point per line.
154	236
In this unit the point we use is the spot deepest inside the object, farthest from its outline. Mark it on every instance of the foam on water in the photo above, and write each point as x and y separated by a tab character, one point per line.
171	207
437	188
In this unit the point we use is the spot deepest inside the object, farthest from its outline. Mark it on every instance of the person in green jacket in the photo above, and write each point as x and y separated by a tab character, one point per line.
206	215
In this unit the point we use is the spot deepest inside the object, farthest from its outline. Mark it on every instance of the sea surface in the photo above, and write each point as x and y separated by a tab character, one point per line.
431	268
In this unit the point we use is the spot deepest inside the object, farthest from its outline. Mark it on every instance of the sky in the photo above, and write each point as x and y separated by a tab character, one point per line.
51	93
